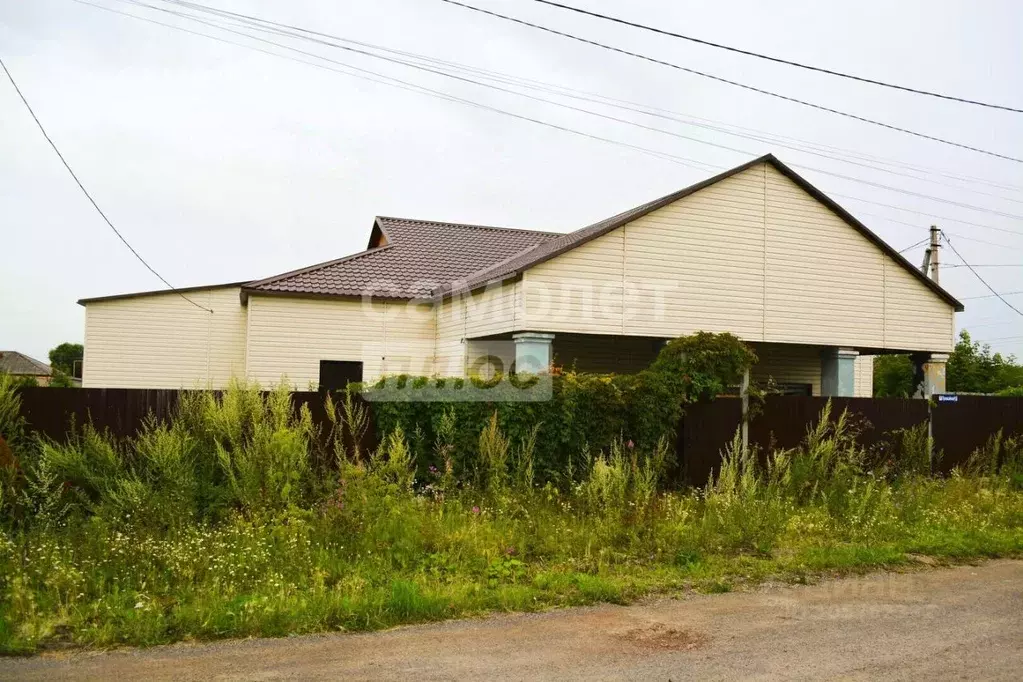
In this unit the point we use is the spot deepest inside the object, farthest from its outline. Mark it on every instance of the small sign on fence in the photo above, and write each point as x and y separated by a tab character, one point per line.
948	398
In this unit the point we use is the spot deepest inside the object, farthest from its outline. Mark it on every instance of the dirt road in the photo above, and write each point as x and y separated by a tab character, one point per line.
964	622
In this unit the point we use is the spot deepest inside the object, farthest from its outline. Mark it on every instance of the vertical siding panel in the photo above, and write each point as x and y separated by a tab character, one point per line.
914	317
754	255
865	376
289	336
697	252
164	341
826	279
579	291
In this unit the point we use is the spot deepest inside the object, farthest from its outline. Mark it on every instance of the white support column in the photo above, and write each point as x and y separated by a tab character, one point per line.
928	374
838	372
533	352
934	374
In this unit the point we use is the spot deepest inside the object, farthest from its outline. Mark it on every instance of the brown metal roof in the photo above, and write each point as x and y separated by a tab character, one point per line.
555	247
13	362
419	257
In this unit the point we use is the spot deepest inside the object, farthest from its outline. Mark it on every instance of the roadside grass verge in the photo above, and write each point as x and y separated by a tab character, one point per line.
88	584
233	522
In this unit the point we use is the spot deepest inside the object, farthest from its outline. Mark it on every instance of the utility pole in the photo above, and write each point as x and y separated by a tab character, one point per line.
933	252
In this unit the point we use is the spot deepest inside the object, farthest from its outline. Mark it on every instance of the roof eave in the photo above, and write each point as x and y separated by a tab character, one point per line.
155	292
247	291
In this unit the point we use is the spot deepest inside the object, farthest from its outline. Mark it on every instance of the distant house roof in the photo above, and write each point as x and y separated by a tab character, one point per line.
408	259
13	362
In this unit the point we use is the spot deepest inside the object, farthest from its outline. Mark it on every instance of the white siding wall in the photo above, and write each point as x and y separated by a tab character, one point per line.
824	279
913	321
581	290
163	341
754	255
289	336
449	349
865	376
494	310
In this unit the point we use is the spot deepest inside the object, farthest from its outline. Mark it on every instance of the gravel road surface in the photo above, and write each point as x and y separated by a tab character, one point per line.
958	623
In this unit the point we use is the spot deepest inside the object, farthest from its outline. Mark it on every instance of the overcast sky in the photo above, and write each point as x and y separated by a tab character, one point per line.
220	164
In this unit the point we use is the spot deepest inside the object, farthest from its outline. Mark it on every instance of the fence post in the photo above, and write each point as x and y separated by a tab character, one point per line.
930	434
744	396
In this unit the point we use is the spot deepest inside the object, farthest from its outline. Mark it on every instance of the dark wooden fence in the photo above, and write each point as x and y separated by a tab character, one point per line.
783	421
705	430
56	412
961	426
958	427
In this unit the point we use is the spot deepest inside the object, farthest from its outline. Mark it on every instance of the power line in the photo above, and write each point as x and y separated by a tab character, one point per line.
408	86
982	241
926	213
1001	338
548	101
913	246
565	91
779	60
977	275
264	24
911	193
405	85
744	86
1007	293
985	265
89	196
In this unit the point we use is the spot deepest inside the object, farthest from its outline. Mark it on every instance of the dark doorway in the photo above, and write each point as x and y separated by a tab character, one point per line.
335	375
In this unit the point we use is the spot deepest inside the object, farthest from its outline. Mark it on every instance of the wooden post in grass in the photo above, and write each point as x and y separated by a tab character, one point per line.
744	396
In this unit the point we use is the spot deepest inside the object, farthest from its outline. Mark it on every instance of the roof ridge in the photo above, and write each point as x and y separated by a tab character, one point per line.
471	225
481	273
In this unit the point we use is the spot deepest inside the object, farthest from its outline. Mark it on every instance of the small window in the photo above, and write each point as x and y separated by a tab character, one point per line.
335	375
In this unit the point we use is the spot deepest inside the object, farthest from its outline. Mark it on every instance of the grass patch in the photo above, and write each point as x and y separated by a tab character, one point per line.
233	522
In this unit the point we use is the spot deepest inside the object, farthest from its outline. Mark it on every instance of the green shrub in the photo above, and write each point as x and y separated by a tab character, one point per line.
12	440
1000	458
584	410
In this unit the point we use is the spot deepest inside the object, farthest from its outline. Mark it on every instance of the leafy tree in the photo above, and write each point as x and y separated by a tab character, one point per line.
893	376
973	368
64	356
61	380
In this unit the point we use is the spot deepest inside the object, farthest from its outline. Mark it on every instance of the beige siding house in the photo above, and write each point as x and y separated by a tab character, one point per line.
756	251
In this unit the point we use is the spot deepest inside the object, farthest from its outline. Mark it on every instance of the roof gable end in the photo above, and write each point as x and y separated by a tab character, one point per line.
543	252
